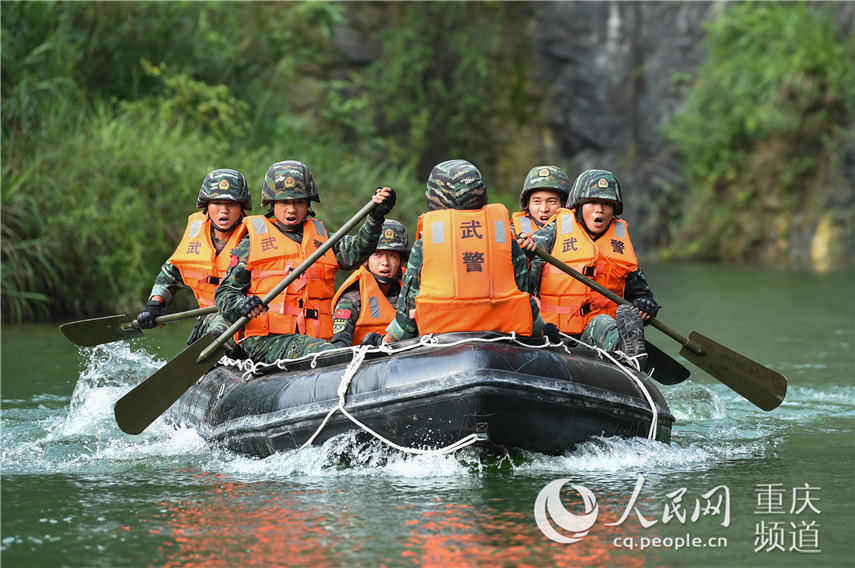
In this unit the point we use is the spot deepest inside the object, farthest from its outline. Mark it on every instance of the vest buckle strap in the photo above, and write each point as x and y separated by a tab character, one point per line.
212	279
585	308
309	313
589	271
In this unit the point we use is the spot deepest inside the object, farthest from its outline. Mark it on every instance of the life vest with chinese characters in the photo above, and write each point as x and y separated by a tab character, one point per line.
304	306
467	275
565	301
197	260
375	311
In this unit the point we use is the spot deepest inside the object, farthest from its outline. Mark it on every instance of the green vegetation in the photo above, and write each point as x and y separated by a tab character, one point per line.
761	129
113	112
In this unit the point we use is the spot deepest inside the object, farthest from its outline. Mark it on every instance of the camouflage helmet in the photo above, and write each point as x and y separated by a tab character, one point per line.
455	184
546	178
224	185
596	184
394	237
288	180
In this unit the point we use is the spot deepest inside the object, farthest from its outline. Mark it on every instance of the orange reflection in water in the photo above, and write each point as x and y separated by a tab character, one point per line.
461	535
235	525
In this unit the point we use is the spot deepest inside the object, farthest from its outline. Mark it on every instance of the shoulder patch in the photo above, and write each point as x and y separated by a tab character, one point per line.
233	260
342	313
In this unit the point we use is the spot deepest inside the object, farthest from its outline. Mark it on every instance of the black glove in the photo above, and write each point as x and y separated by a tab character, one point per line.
648	305
247	305
551	331
383	208
372	338
153	309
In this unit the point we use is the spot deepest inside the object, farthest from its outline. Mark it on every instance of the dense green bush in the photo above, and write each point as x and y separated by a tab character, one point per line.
761	124
113	112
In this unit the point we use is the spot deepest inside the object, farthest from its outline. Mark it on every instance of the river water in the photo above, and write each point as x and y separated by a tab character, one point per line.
736	487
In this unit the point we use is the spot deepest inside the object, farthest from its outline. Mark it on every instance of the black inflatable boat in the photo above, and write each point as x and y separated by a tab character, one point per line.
455	388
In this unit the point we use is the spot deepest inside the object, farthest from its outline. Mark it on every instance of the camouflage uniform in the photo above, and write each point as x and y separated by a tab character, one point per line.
454	184
602	330
350	252
351	300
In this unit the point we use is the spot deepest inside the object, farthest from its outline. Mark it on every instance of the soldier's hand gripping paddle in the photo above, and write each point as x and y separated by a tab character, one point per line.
91	332
143	404
760	385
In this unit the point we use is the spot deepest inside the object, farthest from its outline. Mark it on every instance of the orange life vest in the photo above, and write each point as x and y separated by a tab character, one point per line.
197	260
522	223
467	274
375	311
304	306
565	301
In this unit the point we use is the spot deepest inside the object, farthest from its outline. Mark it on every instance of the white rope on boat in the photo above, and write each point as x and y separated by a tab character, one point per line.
654	420
347	376
251	369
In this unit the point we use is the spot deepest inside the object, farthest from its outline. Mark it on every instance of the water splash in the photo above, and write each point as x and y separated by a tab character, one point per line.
713	426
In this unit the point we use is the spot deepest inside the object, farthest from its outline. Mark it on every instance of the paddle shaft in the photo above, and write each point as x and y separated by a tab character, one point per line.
302	267
684	341
759	385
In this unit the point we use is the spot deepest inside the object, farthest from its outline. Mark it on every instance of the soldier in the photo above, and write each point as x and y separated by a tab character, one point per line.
299	320
199	262
365	302
544	191
591	238
466	272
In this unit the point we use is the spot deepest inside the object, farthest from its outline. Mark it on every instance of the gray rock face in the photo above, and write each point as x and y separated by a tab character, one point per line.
613	66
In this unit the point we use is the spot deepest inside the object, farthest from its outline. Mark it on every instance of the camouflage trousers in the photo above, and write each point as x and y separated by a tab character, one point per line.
216	325
213	323
602	332
269	348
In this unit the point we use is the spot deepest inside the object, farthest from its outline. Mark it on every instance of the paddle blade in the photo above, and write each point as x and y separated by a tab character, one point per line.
762	386
145	402
666	369
91	332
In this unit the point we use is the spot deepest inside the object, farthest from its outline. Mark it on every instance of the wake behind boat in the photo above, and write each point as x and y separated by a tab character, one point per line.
433	394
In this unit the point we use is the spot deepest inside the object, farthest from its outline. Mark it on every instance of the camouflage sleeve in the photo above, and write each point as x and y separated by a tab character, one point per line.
167	283
345	315
544	239
637	286
232	289
403	326
352	250
521	275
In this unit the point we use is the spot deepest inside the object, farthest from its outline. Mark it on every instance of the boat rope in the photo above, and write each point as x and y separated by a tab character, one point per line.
634	365
347	376
628	365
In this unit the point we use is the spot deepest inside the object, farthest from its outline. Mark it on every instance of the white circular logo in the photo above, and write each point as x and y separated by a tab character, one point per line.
549	499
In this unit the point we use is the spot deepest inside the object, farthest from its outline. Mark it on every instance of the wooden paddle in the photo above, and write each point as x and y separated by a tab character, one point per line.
143	404
760	385
91	332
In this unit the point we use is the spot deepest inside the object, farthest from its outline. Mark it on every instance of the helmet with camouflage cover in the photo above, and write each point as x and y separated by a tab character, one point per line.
596	184
545	178
394	236
455	184
226	185
288	180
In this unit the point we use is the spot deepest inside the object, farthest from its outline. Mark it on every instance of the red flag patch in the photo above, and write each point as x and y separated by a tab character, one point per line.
342	313
233	260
